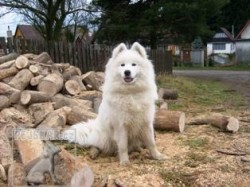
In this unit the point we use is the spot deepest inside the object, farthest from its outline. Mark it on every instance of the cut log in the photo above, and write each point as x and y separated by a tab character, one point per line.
6	155
43	58
90	78
51	84
72	87
34	69
167	94
30	146
5	89
79	80
56	119
77	115
30	56
29	97
8	72
36	80
21	118
11	56
39	111
21	80
22	62
89	95
7	64
61	100
225	123
71	71
169	120
4	102
16	175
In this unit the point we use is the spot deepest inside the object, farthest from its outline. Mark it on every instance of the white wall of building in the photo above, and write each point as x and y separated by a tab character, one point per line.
229	49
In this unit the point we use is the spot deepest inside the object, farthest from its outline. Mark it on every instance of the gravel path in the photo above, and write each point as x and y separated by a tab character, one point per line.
237	80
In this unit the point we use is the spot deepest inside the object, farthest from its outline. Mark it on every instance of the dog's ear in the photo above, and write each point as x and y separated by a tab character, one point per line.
139	49
121	47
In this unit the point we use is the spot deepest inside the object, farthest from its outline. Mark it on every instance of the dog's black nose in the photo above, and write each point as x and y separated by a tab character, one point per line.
127	73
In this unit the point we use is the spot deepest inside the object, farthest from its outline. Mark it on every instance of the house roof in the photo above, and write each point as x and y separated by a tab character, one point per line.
246	25
223	36
29	32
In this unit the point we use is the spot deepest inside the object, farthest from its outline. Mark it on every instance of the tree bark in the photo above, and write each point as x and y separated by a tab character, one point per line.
169	120
167	94
78	114
4	102
29	97
36	80
40	110
21	80
6	65
43	58
8	72
11	56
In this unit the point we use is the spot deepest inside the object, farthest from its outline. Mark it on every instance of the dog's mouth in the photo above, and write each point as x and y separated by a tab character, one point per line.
128	79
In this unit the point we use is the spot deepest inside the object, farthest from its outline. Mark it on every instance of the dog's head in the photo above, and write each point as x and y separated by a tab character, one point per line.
129	70
128	62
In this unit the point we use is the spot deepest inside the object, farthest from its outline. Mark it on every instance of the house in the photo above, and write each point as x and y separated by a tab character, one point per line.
223	42
27	32
243	44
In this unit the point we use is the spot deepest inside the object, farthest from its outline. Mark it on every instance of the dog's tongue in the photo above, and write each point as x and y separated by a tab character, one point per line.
128	79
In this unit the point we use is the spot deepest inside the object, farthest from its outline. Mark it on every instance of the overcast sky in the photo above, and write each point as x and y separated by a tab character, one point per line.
11	20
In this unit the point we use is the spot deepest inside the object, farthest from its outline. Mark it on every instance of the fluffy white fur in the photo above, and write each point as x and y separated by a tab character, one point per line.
126	114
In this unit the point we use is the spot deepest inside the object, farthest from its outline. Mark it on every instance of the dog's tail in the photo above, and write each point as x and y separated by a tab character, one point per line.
84	133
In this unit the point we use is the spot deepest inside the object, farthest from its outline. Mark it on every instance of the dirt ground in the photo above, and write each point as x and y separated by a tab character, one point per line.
193	157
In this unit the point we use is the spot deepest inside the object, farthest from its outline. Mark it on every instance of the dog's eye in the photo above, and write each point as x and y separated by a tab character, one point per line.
122	64
133	64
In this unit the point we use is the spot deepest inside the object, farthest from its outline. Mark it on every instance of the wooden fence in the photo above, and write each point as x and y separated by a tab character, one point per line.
87	57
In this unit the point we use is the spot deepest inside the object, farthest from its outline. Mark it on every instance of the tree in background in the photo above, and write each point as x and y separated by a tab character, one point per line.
155	21
49	16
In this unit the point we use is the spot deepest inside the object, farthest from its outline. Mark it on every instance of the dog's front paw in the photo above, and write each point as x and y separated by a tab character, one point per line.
159	156
124	162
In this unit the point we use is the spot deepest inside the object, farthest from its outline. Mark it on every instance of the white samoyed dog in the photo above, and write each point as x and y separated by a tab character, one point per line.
126	114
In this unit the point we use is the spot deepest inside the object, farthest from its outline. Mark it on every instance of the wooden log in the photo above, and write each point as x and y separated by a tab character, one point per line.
16	175
6	154
39	111
17	116
78	114
56	119
30	56
79	81
89	95
72	87
4	102
36	80
21	80
61	100
51	84
8	57
7	64
5	89
29	145
34	69
29	97
90	78
8	72
71	71
43	58
167	94
22	62
169	120
225	123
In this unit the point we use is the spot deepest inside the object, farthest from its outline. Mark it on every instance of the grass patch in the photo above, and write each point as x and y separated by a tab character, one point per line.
177	178
196	159
197	143
198	94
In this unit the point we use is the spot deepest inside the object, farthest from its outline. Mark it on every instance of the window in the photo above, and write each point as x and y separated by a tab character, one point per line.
219	46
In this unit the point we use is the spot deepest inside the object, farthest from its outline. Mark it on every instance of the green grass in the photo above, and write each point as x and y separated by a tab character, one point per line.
243	67
199	94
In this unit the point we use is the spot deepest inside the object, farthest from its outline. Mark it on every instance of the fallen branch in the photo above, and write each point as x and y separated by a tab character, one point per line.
229	152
